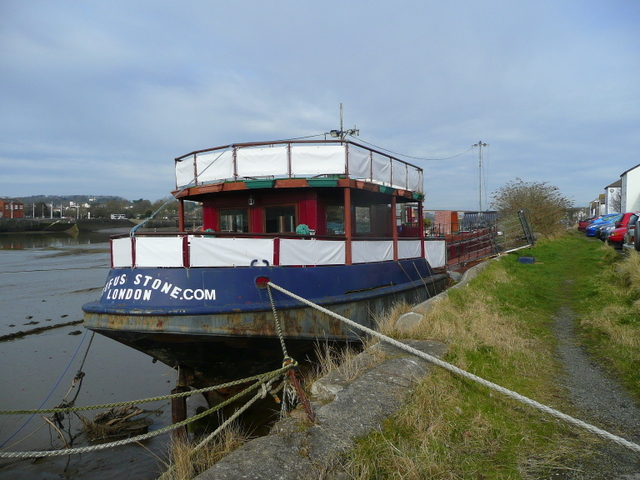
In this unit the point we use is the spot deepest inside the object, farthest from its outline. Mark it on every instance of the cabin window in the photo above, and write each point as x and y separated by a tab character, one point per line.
363	220
335	219
280	219
234	220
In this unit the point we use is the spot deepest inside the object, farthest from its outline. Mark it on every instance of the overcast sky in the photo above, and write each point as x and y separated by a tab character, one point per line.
98	98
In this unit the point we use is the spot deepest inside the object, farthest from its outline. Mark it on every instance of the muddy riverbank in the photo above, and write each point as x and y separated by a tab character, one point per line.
46	287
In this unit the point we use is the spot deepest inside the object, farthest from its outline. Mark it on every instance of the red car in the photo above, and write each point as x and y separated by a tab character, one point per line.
583	224
626	223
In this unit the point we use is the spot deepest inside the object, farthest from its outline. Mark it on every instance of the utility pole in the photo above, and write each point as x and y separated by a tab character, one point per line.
480	145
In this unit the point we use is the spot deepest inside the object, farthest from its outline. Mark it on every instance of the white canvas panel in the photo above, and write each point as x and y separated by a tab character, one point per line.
260	162
309	160
371	251
311	252
214	166
159	252
229	252
359	163
381	169
399	175
436	253
416	180
184	172
121	252
409	249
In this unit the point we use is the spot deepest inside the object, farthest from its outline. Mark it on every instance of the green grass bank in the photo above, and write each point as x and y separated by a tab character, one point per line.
500	327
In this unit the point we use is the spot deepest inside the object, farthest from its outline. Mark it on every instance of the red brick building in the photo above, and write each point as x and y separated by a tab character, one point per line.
11	208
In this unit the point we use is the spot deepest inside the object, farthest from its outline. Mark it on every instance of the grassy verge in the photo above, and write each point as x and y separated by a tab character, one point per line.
500	328
611	323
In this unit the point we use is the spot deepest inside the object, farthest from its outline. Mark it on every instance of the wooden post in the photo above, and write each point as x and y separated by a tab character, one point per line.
181	215
421	226
394	227
179	404
179	411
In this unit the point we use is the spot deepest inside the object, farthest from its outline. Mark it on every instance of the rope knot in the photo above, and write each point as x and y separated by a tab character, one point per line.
288	361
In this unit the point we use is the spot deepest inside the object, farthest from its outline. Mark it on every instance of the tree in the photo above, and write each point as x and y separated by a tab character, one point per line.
140	208
545	206
615	202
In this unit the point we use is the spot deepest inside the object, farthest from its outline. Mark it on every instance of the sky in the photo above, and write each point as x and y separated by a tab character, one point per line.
98	98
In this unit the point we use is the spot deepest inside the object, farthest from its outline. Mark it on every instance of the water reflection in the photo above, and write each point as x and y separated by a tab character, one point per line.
22	241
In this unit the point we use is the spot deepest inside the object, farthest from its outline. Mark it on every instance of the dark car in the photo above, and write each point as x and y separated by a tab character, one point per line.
603	230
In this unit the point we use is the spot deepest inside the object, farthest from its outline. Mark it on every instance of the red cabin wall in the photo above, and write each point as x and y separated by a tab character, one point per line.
209	216
306	201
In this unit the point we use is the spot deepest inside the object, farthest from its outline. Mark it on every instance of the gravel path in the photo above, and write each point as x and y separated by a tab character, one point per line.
599	400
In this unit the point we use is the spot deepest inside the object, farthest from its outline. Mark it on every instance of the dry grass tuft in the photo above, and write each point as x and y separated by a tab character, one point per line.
612	320
185	463
330	357
628	272
386	321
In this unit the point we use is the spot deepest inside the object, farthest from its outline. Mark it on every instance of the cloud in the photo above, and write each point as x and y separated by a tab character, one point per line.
113	92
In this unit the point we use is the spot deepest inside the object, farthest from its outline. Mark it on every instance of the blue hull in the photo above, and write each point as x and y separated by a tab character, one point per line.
202	317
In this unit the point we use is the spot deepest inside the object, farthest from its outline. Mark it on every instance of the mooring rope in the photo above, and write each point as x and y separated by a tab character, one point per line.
260	380
458	371
142	400
277	321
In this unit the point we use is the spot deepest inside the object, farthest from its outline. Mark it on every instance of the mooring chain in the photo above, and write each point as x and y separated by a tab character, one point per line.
288	361
452	368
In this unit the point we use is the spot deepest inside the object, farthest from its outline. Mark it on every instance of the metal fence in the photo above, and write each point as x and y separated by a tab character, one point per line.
481	235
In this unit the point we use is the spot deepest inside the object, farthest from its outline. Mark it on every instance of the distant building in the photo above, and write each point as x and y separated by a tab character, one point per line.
446	222
597	206
11	208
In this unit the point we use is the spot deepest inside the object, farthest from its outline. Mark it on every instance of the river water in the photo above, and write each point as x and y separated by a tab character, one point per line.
45	280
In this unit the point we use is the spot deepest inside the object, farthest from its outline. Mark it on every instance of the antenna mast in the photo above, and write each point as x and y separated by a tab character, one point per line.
342	132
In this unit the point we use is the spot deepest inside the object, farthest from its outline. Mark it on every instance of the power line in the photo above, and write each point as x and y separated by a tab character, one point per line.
412	157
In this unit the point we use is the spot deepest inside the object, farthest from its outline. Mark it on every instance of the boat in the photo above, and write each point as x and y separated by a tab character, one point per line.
334	221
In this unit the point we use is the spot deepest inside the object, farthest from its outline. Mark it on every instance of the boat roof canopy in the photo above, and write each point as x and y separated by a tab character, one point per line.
327	159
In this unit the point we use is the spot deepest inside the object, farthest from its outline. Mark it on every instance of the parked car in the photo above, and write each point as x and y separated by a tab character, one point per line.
583	224
603	230
632	233
591	229
616	236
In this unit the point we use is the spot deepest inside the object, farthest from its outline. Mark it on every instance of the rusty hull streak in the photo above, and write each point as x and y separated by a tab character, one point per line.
295	323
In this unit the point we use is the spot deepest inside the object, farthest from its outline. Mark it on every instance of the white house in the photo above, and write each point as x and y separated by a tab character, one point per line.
597	206
630	190
613	198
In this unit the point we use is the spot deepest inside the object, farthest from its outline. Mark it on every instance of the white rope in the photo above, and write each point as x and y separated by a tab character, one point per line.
447	366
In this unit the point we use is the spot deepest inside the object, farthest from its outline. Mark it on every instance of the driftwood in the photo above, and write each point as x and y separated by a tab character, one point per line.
116	422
